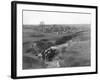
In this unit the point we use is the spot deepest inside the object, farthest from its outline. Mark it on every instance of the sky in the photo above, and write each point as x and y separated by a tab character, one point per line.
35	17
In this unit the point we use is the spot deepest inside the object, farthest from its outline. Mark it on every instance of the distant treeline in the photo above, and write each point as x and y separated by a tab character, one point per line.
58	28
55	28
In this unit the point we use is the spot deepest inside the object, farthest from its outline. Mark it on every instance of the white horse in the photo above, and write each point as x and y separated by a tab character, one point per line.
55	63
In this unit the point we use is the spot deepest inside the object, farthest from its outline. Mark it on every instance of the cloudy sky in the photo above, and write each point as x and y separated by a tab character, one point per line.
35	17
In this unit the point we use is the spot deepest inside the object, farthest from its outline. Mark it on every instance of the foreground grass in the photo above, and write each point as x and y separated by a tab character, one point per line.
75	56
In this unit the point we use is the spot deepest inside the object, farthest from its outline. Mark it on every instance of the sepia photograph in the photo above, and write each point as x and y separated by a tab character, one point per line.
53	39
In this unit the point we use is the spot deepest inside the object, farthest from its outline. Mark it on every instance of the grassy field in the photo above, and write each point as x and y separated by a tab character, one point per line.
74	56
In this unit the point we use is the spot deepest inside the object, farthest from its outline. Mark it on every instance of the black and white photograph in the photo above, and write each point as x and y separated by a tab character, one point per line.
55	39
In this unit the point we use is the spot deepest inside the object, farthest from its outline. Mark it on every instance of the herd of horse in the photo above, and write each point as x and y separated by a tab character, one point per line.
53	54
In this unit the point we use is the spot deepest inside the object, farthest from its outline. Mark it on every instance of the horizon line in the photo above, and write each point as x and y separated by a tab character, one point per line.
53	24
